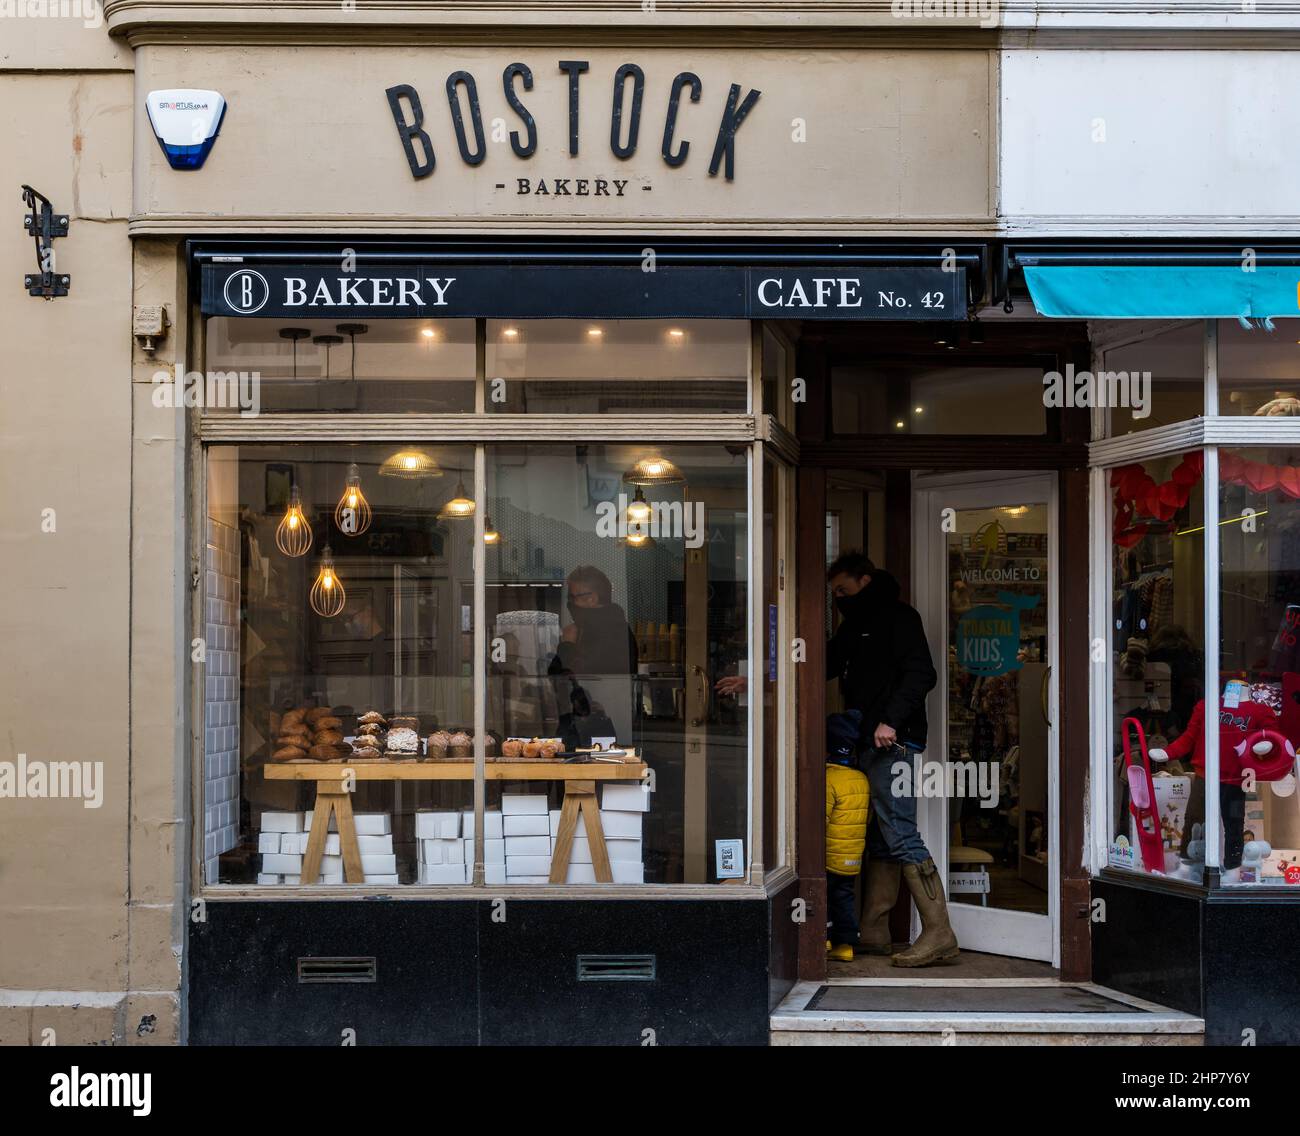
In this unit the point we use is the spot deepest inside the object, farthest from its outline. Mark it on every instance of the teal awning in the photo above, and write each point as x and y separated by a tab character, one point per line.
1164	292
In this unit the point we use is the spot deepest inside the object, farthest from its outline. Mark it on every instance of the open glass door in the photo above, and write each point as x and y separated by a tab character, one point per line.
986	572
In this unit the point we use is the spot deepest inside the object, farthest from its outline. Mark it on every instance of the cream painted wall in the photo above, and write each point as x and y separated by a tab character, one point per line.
68	903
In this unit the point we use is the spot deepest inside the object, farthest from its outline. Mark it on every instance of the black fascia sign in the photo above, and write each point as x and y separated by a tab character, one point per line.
602	291
625	118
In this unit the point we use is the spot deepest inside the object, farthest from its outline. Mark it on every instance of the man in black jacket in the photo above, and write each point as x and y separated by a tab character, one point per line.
881	657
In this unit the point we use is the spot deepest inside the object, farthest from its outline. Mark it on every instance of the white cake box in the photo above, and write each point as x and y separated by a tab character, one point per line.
529	803
442	851
384	880
495	874
431	825
311	813
293	880
329	865
494	851
282	822
528	846
271	841
629	796
623	871
379	866
526	824
527	865
372	845
621	825
279	863
268	878
555	823
295	843
526	880
491	824
615	849
442	874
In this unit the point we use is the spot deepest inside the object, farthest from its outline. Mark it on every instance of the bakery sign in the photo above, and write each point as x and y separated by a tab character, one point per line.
632	121
322	290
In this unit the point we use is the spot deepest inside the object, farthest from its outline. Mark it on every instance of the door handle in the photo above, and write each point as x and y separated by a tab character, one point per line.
698	671
1042	694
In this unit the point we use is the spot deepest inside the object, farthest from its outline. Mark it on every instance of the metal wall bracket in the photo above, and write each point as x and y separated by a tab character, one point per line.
43	225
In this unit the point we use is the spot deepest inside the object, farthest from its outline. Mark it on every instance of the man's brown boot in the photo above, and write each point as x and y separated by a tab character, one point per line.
881	893
936	941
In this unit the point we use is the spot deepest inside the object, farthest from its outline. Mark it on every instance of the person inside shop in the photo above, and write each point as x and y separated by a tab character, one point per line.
594	662
888	687
881	658
848	800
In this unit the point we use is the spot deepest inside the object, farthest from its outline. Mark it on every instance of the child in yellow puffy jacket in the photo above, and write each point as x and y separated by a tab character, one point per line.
848	802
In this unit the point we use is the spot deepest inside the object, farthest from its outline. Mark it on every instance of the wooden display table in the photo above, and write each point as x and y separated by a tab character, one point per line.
333	799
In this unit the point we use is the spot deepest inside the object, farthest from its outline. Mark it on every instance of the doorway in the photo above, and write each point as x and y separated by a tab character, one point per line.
985	572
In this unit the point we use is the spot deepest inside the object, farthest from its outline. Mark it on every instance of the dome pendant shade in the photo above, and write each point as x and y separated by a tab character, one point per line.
654	471
410	464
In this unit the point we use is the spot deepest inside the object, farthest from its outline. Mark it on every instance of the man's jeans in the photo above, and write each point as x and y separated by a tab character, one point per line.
892	834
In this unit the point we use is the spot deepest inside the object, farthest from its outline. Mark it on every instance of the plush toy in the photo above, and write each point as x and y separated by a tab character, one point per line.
1270	755
1280	405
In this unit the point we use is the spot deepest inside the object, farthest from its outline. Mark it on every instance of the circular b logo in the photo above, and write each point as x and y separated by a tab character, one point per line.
246	291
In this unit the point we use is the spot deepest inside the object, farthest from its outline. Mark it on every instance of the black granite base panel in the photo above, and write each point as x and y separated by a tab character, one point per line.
1149	944
1252	970
453	973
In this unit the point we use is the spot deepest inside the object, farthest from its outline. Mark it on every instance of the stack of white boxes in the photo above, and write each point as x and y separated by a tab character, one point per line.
442	851
283	844
527	832
622	811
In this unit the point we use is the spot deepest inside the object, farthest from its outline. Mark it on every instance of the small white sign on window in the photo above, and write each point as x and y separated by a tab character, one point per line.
730	855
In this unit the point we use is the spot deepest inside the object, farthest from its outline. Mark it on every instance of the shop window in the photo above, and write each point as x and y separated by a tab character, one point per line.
907	398
1163	377
617	598
387	366
1259	369
617	366
1259	658
778	377
337	629
1157	666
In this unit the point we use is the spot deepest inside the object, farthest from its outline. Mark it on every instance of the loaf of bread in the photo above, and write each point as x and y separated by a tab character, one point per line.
328	737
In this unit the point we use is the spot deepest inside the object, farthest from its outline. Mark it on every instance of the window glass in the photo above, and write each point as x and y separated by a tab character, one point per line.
906	398
778	373
1168	363
1259	656
1259	370
338	630
615	635
1157	666
617	366
392	366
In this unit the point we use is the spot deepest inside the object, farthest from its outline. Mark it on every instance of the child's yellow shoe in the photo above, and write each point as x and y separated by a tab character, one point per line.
842	953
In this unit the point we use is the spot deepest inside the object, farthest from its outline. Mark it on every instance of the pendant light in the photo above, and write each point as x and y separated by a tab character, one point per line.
638	539
327	594
490	534
327	341
294	334
459	507
293	534
410	464
654	471
352	330
638	512
352	514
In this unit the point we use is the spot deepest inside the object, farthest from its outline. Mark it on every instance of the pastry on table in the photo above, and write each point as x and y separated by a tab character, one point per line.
405	723
403	739
293	718
313	717
288	753
460	745
512	749
329	722
549	749
532	750
373	718
436	748
327	737
372	729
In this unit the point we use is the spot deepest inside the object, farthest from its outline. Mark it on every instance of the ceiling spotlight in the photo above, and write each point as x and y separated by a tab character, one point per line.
511	333
460	506
428	333
594	332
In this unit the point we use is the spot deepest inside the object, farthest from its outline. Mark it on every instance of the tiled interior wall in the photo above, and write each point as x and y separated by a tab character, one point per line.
221	696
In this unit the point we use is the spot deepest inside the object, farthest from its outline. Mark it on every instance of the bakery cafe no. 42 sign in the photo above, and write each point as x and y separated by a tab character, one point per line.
632	120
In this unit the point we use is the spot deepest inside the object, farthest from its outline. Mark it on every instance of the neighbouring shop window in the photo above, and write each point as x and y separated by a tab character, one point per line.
778	376
617	599
392	366
617	366
1259	369
906	398
338	628
1161	377
1259	657
1157	663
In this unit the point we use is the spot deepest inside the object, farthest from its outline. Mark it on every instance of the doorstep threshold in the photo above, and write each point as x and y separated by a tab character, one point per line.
1129	1015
